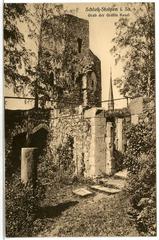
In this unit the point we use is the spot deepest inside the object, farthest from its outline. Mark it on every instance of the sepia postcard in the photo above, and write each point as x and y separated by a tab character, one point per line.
80	119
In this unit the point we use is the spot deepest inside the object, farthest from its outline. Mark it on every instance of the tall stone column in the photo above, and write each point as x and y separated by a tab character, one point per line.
97	150
110	164
29	164
120	134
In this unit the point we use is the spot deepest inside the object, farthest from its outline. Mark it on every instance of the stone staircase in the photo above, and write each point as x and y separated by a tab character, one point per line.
111	185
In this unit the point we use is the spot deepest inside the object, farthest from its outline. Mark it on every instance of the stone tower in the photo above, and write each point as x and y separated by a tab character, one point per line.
73	70
111	97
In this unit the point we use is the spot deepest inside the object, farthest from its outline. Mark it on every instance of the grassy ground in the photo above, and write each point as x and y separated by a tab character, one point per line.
64	214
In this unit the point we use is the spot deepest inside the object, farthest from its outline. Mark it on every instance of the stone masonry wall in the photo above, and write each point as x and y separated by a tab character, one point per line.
138	107
64	124
95	132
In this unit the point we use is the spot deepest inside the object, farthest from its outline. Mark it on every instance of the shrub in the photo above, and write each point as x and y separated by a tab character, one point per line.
142	189
21	205
140	159
140	141
65	154
58	169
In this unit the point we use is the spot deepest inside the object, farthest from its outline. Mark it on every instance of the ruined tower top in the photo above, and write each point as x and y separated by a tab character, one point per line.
111	98
67	59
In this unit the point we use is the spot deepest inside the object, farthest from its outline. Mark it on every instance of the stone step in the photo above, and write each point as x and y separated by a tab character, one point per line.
105	189
116	183
83	192
121	174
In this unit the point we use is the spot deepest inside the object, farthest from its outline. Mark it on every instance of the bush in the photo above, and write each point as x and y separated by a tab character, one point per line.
65	154
65	160
58	169
140	159
21	205
142	189
140	141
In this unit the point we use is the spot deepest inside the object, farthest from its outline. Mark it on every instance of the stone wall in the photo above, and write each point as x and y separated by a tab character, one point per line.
28	121
95	134
138	107
93	137
64	124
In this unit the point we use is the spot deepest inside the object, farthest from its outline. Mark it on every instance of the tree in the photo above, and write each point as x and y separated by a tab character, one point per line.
15	52
42	86
134	44
23	67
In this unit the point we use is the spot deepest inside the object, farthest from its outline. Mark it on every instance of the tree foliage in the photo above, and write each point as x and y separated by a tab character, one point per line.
16	56
39	15
134	44
22	65
140	159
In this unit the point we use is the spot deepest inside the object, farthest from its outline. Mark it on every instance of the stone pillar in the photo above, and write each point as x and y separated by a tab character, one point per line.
28	164
90	114
97	151
100	148
120	134
110	164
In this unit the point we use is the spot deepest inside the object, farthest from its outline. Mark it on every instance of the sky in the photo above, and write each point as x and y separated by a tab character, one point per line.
102	18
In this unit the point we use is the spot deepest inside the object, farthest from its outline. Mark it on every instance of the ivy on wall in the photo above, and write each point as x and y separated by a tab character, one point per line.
65	156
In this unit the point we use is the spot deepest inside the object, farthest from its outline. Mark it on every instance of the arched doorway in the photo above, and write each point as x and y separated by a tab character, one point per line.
39	139
14	161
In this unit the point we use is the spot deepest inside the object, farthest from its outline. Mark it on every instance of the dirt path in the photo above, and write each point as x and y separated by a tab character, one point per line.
97	215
